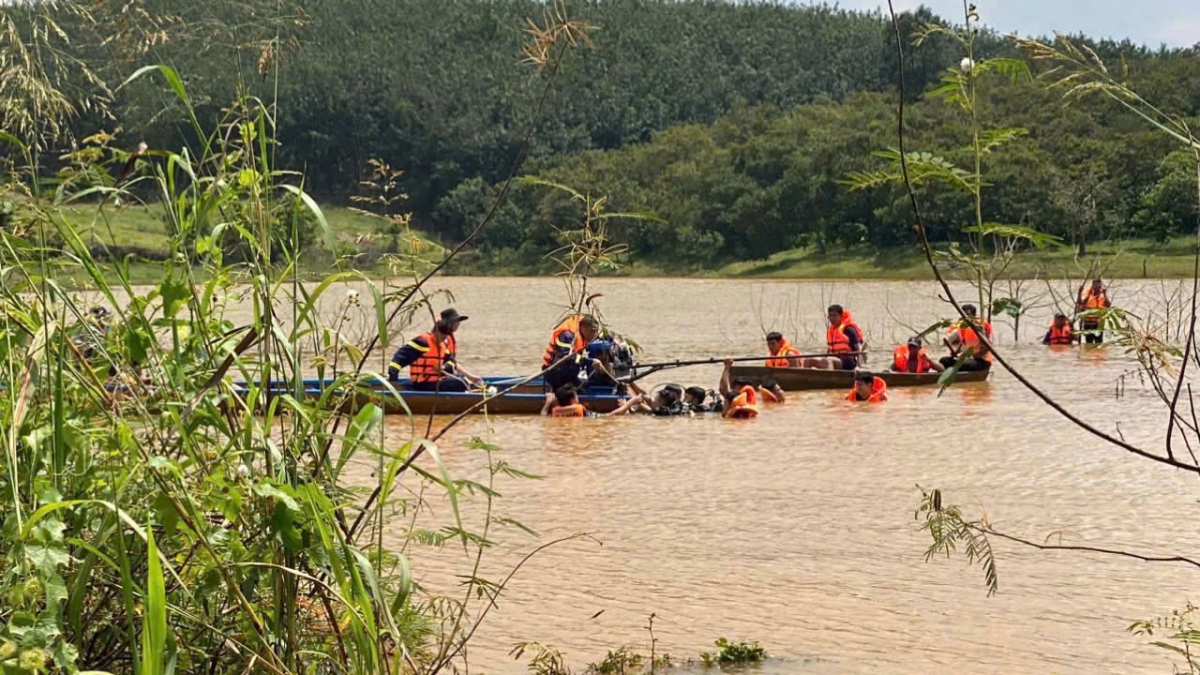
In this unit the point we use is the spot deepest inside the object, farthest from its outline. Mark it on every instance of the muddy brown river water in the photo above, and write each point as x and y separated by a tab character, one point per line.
797	529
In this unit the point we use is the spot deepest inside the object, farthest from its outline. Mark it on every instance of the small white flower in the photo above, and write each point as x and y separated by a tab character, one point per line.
352	297
243	471
967	65
117	202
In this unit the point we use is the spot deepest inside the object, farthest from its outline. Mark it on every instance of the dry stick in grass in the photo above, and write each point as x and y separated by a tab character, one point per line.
928	250
987	530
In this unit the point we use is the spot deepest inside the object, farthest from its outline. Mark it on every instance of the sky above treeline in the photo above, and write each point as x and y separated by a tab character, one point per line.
1151	22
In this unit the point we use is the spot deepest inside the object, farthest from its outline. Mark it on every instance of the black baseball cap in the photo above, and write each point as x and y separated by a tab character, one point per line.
451	315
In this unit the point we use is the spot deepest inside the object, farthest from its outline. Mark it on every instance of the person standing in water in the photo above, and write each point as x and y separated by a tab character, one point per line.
1091	304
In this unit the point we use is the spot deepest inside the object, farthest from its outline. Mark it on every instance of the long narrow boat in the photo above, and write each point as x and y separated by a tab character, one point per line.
804	379
525	400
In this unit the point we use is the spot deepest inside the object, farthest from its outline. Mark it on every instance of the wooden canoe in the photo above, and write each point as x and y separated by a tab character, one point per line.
525	400
805	379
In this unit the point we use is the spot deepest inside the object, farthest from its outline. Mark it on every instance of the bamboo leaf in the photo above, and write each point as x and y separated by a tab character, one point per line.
154	616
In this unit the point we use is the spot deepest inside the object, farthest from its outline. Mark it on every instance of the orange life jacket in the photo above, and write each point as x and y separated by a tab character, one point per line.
574	410
780	359
878	392
745	405
900	360
1060	336
836	338
429	366
570	324
768	395
1095	301
969	338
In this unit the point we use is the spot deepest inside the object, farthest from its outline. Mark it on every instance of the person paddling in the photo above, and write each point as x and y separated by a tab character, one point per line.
783	354
1060	331
844	340
868	389
431	358
914	358
965	335
1090	304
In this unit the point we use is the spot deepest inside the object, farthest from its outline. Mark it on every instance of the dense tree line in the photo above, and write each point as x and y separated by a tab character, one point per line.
735	122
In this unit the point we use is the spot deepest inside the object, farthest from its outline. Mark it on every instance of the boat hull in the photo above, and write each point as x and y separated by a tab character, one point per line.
806	379
527	399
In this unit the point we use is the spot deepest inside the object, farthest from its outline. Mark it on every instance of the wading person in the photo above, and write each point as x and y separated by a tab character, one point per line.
770	392
564	402
914	358
868	389
1090	305
783	354
1060	331
431	359
844	340
963	336
741	396
701	400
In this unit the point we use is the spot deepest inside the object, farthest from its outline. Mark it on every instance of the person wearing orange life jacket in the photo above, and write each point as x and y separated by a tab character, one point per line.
868	389
565	404
783	355
844	340
1060	331
1090	303
964	335
914	358
740	394
770	392
570	339
431	359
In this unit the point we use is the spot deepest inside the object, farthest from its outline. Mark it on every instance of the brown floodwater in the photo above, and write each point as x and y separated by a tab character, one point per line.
797	529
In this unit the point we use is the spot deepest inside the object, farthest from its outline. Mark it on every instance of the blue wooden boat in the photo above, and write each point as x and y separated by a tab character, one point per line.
526	399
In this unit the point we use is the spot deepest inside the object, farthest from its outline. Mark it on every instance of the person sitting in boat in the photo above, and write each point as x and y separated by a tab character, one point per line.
567	348
964	335
783	354
1060	331
914	358
844	340
701	400
564	402
868	388
741	396
1090	303
431	359
771	392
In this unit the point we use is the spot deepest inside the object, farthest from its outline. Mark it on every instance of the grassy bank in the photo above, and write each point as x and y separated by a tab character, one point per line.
140	230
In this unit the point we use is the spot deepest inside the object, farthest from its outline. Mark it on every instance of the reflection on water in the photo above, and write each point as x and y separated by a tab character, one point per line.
796	529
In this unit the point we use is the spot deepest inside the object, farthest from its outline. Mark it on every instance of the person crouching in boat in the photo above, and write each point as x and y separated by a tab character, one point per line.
565	403
783	355
431	359
741	396
1060	331
964	335
770	392
914	358
868	388
845	342
570	339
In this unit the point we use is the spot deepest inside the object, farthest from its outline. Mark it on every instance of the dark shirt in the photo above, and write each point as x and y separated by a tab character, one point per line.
854	337
413	350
